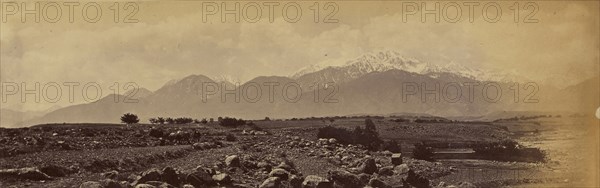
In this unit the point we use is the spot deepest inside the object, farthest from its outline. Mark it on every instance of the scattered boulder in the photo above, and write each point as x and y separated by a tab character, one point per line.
368	166
280	173
332	141
204	145
159	184
364	178
200	178
25	173
143	185
55	170
109	183
222	178
466	185
271	182
386	171
345	179
313	181
170	176
90	184
401	169
111	174
264	166
296	181
232	161
375	182
150	175
397	158
284	165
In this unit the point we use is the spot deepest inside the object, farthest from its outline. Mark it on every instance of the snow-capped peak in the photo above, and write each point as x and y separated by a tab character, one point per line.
306	70
391	60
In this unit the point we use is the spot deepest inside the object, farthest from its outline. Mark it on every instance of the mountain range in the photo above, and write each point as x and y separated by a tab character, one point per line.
375	83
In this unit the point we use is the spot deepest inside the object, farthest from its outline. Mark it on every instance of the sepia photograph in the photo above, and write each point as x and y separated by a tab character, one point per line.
299	94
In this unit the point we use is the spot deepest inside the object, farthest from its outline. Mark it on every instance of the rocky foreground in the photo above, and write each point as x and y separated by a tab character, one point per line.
262	161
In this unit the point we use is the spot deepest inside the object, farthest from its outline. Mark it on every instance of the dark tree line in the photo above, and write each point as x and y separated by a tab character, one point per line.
367	136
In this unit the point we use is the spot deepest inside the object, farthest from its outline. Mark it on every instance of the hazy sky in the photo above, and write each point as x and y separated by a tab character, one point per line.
171	41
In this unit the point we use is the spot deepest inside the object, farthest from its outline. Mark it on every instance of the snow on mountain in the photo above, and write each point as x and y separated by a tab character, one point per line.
306	70
390	60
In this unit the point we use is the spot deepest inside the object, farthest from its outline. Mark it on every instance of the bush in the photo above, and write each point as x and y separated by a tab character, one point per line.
231	122
342	135
423	152
130	118
416	180
392	146
183	120
367	137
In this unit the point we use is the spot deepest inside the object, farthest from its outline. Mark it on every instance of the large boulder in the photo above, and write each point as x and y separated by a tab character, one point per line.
386	171
364	178
109	183
313	181
286	166
232	161
160	184
111	174
222	178
466	185
368	166
397	158
200	178
143	185
150	175
170	176
271	182
25	173
345	179
55	170
90	184
401	169
374	182
280	173
296	181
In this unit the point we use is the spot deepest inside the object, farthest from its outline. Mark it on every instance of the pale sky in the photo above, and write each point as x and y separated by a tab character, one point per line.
170	41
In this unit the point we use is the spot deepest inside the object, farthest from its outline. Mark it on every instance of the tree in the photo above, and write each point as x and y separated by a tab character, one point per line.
231	122
160	120
392	146
423	152
203	121
153	120
370	137
211	120
267	119
170	120
130	118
